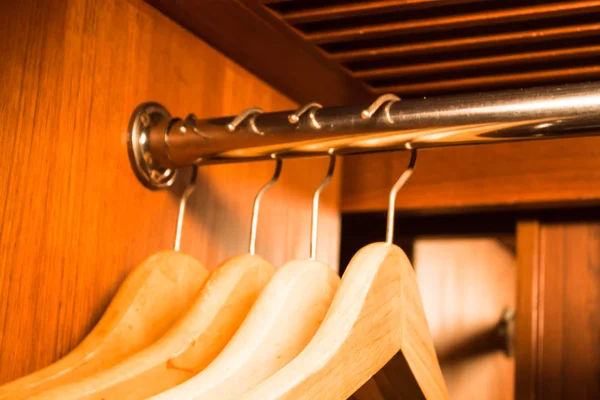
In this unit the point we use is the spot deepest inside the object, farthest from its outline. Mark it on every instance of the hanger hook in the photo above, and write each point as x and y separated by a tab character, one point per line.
249	113
184	197
315	206
256	208
294	117
392	201
387	99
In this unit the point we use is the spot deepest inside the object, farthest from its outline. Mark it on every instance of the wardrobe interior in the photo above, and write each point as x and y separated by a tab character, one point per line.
504	238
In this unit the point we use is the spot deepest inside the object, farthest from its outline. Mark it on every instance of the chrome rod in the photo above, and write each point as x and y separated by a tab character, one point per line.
388	124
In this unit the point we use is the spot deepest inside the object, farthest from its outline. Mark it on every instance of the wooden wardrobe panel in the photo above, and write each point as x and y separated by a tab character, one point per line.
569	333
527	314
454	179
73	218
558	337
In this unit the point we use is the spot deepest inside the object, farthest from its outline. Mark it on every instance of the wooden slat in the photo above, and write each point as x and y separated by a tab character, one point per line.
338	11
557	330
526	320
265	40
454	21
538	35
506	175
525	78
483	62
569	312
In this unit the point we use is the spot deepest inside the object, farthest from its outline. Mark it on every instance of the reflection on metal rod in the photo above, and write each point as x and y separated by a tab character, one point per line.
159	143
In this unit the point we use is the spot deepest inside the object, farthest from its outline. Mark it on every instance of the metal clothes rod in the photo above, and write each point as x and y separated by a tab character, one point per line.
159	144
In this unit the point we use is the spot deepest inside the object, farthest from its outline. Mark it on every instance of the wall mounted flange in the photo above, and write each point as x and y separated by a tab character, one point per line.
145	117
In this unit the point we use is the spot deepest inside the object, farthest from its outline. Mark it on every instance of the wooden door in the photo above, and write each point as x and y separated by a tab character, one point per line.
73	218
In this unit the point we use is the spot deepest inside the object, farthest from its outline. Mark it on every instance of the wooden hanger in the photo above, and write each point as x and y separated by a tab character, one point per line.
281	323
147	303
377	313
191	343
195	340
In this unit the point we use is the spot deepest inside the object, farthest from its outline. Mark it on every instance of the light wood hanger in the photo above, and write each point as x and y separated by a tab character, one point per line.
191	343
195	340
151	298
284	319
377	313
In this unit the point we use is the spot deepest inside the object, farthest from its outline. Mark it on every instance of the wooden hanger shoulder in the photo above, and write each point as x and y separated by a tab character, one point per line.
282	321
147	303
190	345
376	313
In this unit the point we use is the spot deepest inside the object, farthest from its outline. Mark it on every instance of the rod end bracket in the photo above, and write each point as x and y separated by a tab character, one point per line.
144	118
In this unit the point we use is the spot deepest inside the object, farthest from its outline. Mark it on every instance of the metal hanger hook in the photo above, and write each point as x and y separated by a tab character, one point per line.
184	197
256	208
384	99
389	236
294	117
250	113
315	207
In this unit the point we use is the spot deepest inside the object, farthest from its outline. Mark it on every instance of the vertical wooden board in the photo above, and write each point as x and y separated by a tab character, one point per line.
527	315
558	318
569	332
73	218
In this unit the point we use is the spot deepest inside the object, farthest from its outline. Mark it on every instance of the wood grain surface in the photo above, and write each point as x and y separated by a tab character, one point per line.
527	310
507	175
569	311
558	319
73	218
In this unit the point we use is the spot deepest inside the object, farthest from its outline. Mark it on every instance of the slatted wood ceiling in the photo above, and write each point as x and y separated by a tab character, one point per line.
435	47
349	51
